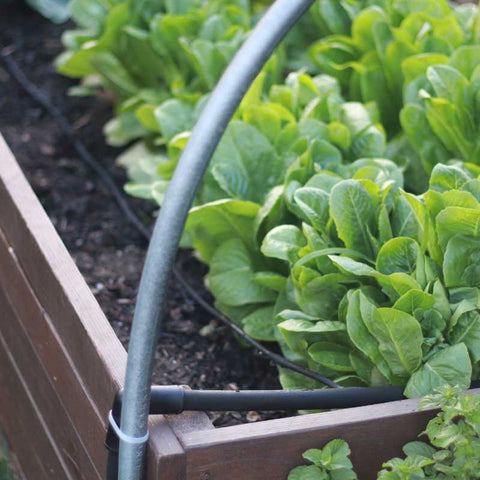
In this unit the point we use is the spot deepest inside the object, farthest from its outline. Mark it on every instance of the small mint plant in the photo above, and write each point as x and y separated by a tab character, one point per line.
451	453
331	462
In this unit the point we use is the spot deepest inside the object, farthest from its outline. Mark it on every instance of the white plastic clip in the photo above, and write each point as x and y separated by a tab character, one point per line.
122	436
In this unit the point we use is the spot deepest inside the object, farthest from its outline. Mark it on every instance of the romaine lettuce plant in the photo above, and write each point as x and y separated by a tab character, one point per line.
392	42
268	134
401	290
442	109
147	53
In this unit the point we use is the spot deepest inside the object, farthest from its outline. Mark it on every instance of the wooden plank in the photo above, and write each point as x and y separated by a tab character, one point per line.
52	383
34	338
59	286
75	318
165	455
19	417
270	449
169	429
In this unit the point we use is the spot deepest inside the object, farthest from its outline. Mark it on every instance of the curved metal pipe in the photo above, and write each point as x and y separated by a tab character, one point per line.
208	131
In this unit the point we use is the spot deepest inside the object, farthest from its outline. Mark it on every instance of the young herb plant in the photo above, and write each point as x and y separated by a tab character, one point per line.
331	462
453	448
452	451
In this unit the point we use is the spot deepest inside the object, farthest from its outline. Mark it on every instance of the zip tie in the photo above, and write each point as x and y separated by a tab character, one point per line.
124	437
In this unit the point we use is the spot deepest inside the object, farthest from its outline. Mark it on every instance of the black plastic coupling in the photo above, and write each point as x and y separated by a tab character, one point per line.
167	400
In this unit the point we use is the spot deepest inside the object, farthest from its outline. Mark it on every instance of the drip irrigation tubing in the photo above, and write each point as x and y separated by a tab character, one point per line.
102	173
173	400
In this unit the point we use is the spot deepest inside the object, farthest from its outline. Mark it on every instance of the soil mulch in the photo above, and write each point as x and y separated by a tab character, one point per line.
108	251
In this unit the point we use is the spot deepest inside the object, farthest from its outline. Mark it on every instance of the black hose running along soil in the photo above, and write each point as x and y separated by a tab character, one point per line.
88	159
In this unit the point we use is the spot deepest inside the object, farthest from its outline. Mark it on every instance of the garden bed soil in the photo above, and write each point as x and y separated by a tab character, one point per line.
108	251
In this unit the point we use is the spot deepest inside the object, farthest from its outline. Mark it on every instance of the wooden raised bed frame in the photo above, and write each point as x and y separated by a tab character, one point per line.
61	364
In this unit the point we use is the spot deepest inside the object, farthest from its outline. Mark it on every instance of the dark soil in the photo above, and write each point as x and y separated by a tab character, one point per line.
107	250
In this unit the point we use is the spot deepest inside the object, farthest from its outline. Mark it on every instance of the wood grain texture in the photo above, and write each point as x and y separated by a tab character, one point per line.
165	455
59	286
75	360
31	336
21	419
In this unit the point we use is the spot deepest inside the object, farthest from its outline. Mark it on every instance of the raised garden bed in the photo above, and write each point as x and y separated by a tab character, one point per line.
62	364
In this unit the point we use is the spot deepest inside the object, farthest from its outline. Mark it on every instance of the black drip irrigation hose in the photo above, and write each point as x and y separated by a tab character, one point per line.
168	400
89	160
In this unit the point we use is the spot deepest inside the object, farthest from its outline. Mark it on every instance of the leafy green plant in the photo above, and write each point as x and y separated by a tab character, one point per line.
442	109
452	451
331	462
324	18
363	282
269	132
227	232
147	53
392	42
356	255
157	60
149	56
389	294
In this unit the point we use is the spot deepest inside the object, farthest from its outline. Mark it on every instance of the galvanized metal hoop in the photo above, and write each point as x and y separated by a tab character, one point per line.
223	102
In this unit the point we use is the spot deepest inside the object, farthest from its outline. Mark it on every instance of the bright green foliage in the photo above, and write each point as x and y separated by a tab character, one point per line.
392	42
442	109
331	462
417	61
157	60
388	280
304	116
154	43
325	17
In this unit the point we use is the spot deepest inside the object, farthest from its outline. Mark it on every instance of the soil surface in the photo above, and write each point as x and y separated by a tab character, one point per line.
107	250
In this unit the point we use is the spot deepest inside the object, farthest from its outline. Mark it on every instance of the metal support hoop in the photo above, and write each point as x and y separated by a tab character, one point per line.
163	247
